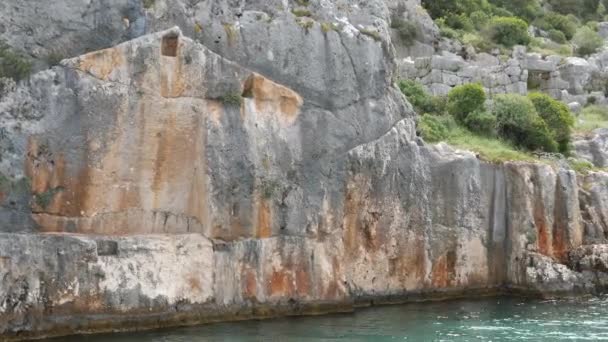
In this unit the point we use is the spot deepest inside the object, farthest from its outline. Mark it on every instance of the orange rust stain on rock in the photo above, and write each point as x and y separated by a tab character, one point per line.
443	271
264	224
543	240
303	282
409	267
194	284
271	97
351	219
216	111
334	290
250	286
102	63
559	241
280	284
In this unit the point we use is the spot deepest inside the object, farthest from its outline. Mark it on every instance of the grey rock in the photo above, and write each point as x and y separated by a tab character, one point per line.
593	147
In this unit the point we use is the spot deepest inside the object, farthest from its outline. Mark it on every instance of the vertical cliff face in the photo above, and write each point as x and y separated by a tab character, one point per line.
168	181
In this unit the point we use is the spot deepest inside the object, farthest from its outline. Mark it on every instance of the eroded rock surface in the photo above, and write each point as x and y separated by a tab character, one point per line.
268	167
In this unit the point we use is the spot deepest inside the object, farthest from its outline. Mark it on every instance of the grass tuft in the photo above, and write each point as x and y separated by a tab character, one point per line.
591	118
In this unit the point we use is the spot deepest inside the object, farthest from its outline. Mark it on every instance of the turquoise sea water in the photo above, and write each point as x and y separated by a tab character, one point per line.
497	319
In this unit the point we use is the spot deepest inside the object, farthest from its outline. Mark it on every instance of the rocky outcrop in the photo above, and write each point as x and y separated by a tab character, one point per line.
593	147
267	167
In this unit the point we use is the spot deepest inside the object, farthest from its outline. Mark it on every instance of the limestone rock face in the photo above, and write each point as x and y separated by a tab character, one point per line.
593	148
266	166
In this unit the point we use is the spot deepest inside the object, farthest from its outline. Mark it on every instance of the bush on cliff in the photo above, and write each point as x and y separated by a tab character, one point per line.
481	122
557	36
509	31
558	22
587	41
432	128
12	64
465	99
408	31
422	101
557	116
518	122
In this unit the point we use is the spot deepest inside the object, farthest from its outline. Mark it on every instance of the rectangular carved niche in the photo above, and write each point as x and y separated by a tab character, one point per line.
169	46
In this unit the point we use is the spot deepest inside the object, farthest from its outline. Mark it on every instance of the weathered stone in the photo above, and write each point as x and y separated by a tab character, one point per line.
593	147
268	166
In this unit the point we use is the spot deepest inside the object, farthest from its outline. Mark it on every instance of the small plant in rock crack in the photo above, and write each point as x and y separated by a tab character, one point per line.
45	198
268	188
232	99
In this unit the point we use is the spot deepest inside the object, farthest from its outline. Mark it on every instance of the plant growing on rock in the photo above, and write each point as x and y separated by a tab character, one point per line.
509	31
481	122
587	41
557	116
558	22
431	128
232	99
408	31
12	64
557	36
518	122
465	99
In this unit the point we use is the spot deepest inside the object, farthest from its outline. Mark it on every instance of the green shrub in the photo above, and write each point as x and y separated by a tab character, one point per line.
592	117
301	12
587	41
459	22
432	129
408	31
441	8
232	99
557	36
12	64
557	116
591	100
558	22
509	31
501	12
465	99
528	9
481	122
518	122
445	30
479	19
417	96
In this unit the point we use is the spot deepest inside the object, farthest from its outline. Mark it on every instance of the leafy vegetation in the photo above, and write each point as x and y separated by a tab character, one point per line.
512	127
232	99
591	118
301	12
433	128
587	41
490	24
509	31
408	31
518	122
465	99
148	3
12	64
557	116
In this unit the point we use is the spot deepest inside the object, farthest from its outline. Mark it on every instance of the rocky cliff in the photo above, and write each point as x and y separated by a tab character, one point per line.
256	161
